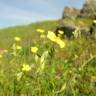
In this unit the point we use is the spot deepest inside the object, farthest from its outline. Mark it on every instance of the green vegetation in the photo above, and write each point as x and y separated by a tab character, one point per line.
34	66
26	32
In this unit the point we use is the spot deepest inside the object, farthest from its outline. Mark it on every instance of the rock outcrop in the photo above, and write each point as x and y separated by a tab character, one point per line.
89	9
70	12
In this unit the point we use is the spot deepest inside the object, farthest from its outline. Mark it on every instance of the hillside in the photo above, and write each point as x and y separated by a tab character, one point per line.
25	32
29	31
49	66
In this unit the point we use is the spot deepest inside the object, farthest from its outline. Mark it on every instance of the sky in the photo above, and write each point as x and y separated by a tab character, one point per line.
19	12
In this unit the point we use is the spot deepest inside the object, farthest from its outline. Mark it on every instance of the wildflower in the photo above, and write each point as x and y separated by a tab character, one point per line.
40	30
51	36
94	21
17	39
1	56
34	49
60	42
18	47
26	67
61	32
55	39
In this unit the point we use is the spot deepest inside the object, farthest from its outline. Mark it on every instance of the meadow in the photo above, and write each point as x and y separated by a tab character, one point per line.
35	62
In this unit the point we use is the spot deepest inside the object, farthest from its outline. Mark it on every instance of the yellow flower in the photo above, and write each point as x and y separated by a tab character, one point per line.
18	47
40	30
1	56
55	39
34	49
51	35
94	21
60	42
61	32
26	67
17	39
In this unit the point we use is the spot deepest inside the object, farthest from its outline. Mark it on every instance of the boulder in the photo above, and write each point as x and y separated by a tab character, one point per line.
67	29
70	12
85	31
89	9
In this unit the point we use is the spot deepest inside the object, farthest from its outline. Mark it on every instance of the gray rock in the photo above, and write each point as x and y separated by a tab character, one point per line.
85	31
70	12
69	16
89	9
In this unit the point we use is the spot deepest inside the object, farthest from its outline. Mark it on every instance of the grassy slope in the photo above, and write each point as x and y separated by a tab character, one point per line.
7	35
29	31
25	32
73	66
